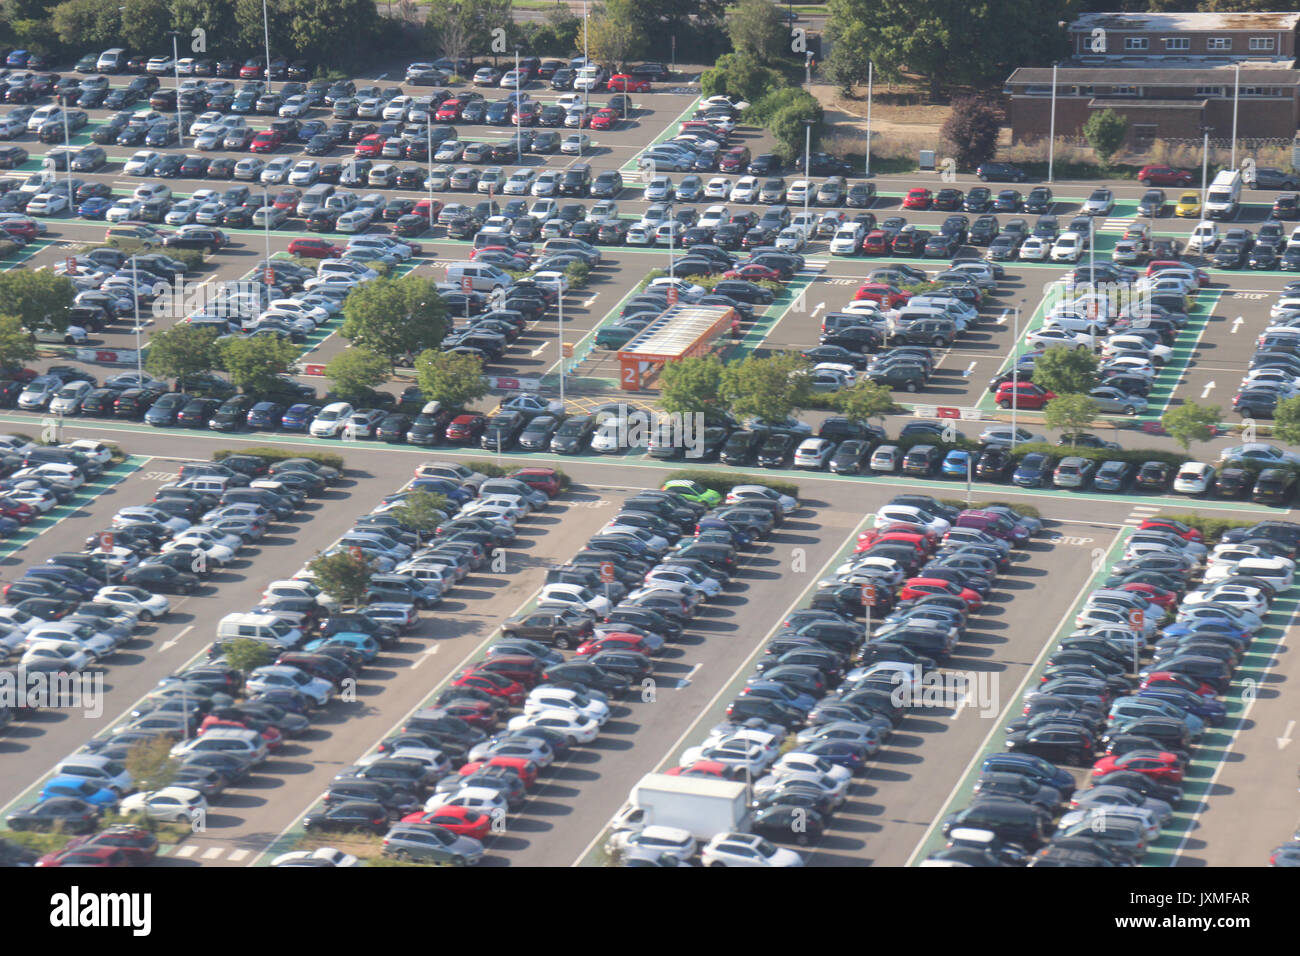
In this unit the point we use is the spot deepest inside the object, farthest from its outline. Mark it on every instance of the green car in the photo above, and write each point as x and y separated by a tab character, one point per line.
616	336
693	491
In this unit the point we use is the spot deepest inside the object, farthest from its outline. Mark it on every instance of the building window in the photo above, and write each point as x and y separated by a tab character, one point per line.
1136	43
1209	91
1261	91
1178	43
1126	91
1219	43
1261	43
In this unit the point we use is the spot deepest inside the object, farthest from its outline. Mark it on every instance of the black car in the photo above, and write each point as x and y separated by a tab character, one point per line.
1155	476
161	579
1000	172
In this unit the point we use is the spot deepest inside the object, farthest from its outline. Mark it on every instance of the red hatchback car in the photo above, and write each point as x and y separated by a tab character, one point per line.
498	685
252	69
524	769
1164	176
315	249
916	588
622	83
463	821
543	479
1186	532
754	273
267	141
370	147
1023	395
613	642
1156	764
883	293
918	198
604	119
876	243
466	428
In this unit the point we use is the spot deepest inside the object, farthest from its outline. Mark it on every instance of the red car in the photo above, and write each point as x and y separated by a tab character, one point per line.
26	228
543	479
315	249
252	69
883	293
370	147
498	685
20	511
463	821
1167	679
704	768
876	243
604	119
526	770
267	141
622	83
1156	764
93	856
1166	599
1163	176
924	541
754	273
1186	532
916	588
271	736
448	111
613	642
525	670
287	198
918	198
466	428
1023	395
476	713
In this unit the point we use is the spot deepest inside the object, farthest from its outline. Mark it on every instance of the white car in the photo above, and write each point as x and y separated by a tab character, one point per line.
1035	249
668	577
745	190
740	493
746	849
1159	351
575	726
714	217
305	172
276	677
546	697
544	185
96	451
652	842
718	187
1193	478
574	595
327	853
482	799
68	653
1058	336
148	606
892	514
171	804
329	422
796	761
1069	246
123	209
1241	596
1279	570
813	453
295	107
47	204
1204	238
519	183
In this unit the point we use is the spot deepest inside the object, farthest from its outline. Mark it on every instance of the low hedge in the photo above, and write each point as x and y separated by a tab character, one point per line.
1134	456
722	482
1211	528
1025	511
486	468
329	459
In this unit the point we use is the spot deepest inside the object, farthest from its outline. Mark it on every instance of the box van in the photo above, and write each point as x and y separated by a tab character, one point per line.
483	277
111	61
258	627
1224	195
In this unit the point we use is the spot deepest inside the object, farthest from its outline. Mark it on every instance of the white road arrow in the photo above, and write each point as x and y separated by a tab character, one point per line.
168	645
1286	735
1002	319
970	368
1208	388
428	652
1236	323
818	308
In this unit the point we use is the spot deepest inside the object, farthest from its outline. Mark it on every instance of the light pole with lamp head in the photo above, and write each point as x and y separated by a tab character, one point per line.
871	69
519	134
1236	93
176	66
266	33
807	166
1051	129
1205	162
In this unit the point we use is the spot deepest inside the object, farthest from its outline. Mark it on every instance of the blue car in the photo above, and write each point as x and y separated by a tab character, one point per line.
1035	471
740	536
298	417
80	788
17	60
68	578
847	754
1211	625
265	415
955	464
95	208
363	644
1032	766
449	489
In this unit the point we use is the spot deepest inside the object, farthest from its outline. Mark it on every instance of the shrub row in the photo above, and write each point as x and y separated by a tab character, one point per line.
1134	456
722	482
1025	511
1211	528
326	458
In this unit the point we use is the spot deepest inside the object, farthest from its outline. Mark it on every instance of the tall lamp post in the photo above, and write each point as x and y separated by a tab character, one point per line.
1236	93
1051	130
519	86
176	66
871	69
266	34
807	165
1205	161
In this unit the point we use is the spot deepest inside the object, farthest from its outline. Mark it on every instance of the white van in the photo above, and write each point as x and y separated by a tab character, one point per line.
258	627
1224	195
483	277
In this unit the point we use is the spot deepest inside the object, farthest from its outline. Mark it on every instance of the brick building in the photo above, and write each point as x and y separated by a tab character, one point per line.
1170	74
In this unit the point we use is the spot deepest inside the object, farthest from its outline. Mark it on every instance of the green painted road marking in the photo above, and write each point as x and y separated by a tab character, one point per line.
669	131
85	494
996	744
1168	378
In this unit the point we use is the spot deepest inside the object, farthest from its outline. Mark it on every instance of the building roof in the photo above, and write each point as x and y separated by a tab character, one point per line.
1153	76
1133	102
676	331
1184	22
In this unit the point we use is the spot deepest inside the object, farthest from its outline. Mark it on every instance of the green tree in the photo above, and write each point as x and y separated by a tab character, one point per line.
321	32
612	34
1190	422
87	23
848	64
356	372
150	763
422	512
1105	132
1070	413
692	385
755	28
864	401
181	351
972	130
1286	420
16	343
736	74
769	388
38	297
144	25
454	380
343	575
395	316
256	364
217	20
247	655
790	123
1065	370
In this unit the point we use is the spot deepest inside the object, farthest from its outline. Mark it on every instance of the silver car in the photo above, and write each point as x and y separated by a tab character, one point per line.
407	841
1116	402
1100	203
